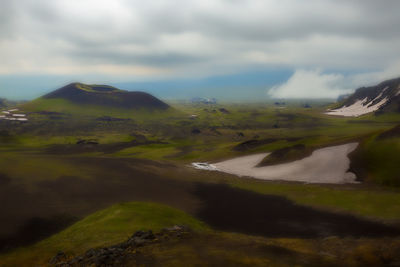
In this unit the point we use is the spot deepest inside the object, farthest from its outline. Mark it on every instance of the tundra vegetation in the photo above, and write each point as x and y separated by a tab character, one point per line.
80	176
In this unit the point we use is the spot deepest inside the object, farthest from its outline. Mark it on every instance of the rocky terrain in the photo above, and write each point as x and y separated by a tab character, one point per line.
124	254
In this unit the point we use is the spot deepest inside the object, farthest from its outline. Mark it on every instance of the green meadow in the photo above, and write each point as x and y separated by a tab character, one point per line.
44	153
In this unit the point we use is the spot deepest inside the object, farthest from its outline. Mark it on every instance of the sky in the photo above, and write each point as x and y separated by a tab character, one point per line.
313	48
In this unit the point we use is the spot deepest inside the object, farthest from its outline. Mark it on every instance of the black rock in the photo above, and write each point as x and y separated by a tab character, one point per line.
117	255
87	142
60	257
224	110
196	131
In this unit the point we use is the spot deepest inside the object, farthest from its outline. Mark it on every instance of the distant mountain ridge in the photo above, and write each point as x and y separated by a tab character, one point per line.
5	103
105	95
383	97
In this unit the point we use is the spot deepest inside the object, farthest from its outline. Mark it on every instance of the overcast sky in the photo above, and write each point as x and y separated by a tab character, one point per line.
330	46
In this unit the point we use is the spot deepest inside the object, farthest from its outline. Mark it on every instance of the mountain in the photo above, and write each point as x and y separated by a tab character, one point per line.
3	103
384	97
104	95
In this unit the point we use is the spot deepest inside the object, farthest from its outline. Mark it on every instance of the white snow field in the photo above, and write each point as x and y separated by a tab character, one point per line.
325	165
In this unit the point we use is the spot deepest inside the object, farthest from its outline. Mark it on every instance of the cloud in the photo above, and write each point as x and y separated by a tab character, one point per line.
317	84
310	84
375	77
180	37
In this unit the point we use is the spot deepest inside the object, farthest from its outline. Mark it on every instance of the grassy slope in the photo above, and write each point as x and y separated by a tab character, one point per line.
381	160
117	223
89	87
205	147
65	106
367	201
374	203
103	228
371	201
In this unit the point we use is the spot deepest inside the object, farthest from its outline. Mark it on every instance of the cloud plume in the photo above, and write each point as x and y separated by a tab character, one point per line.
310	84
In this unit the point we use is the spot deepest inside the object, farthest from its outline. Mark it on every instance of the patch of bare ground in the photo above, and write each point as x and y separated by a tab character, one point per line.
231	209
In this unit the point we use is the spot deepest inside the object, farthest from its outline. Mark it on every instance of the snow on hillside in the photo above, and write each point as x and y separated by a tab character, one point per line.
360	107
384	97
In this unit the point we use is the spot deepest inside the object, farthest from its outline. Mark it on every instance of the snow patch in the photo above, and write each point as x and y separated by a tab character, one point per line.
326	165
204	166
10	116
358	108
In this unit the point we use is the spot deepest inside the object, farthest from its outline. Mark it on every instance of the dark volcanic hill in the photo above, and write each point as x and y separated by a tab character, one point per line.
379	98
105	95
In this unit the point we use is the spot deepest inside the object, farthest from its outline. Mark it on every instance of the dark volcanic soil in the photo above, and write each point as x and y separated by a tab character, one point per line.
392	133
63	149
32	212
35	229
113	181
232	209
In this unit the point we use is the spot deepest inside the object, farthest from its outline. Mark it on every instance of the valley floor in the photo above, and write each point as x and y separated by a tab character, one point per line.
60	185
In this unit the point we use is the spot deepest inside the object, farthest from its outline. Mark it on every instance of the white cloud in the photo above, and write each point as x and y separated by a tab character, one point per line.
310	84
317	84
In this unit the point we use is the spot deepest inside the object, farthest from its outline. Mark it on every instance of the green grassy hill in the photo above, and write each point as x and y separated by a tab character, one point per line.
103	228
204	247
98	100
377	159
105	95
